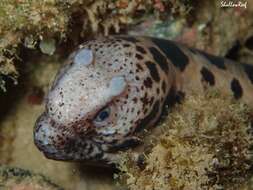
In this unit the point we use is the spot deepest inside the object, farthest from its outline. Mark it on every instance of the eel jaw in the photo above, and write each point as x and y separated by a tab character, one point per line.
59	143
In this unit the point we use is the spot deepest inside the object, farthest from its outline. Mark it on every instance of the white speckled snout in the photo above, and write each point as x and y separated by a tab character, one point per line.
93	104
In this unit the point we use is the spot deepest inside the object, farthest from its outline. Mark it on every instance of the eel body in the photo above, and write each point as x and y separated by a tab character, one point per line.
110	89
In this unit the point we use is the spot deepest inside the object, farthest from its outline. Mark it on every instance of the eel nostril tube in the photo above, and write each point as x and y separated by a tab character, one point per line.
44	134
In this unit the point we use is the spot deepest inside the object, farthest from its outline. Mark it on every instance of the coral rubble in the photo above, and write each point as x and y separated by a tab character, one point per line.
206	144
44	24
18	179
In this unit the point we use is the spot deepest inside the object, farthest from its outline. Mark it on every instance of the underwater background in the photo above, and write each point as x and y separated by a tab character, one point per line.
36	36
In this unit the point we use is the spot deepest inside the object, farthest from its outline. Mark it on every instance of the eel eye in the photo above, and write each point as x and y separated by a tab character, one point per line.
103	115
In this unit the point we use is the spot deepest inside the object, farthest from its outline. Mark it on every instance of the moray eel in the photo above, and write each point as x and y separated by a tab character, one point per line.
112	88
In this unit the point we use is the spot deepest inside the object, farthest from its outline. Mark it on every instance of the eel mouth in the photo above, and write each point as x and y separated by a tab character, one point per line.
52	140
59	143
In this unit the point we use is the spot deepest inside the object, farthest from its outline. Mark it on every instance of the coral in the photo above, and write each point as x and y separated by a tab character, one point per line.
26	23
201	24
19	179
219	28
205	144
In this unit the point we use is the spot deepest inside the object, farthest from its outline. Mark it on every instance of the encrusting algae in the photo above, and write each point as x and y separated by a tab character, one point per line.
206	144
32	23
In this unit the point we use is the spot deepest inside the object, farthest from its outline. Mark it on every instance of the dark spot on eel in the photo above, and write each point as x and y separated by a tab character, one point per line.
164	87
148	82
140	49
173	53
207	76
126	45
145	99
215	60
160	59
153	70
249	71
236	88
139	66
249	43
135	99
139	56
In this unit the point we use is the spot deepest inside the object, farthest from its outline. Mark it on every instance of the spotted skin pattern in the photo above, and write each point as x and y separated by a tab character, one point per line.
112	88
